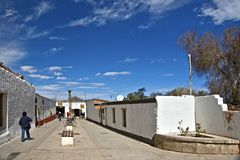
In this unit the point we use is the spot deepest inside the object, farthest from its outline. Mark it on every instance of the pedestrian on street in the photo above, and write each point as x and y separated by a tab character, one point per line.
59	116
24	122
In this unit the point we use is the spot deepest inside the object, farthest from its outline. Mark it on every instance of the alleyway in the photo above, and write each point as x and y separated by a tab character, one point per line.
93	142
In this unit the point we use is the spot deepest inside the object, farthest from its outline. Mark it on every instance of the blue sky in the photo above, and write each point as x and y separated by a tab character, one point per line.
106	47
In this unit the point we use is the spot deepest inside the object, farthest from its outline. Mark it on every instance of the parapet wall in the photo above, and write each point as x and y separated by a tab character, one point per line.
214	117
171	110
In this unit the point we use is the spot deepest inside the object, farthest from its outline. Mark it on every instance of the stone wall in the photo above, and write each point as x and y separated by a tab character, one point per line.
19	97
214	117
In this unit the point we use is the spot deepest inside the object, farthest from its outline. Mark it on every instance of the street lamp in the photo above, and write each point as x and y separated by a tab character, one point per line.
190	74
69	101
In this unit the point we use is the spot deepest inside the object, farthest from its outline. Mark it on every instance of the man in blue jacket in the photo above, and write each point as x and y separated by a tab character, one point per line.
24	122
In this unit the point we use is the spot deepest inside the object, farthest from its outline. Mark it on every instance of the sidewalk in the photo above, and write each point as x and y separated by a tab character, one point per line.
90	142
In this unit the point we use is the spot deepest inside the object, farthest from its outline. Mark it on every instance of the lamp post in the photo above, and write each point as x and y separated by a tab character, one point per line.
69	101
190	73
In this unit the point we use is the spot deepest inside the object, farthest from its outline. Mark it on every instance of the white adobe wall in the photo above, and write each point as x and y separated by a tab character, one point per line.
172	109
92	112
75	105
213	116
45	109
140	118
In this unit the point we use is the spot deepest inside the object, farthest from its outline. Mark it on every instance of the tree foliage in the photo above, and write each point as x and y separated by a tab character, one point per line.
75	98
179	92
185	91
154	94
140	94
218	60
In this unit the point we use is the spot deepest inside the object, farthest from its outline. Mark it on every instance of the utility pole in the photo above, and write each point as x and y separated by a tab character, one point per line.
69	101
190	73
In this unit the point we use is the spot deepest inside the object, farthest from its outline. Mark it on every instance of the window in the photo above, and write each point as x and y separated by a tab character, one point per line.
1	110
113	115
35	100
124	117
81	106
60	104
42	101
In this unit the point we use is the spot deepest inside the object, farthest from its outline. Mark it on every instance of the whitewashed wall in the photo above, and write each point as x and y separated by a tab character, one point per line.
92	112
172	109
45	106
75	105
18	97
213	116
140	118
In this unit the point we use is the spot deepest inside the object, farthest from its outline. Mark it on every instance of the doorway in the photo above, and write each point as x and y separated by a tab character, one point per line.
76	112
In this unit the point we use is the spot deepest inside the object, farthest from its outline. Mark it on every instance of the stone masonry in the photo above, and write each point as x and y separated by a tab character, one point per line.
19	97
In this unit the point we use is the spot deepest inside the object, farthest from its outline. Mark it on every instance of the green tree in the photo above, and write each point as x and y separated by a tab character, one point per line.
154	94
185	91
140	94
218	60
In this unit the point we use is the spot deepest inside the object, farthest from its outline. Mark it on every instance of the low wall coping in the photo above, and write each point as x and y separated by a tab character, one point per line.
213	140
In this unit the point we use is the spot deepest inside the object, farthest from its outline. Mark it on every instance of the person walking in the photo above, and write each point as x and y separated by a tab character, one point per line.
24	122
59	116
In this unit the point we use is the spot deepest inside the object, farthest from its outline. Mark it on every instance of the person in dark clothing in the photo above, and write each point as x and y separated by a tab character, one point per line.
24	122
59	116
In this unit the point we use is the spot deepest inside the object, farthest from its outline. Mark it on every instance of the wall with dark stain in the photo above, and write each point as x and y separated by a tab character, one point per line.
213	116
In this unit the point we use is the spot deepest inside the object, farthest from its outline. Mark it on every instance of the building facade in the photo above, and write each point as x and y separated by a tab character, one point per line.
43	109
16	96
93	109
77	107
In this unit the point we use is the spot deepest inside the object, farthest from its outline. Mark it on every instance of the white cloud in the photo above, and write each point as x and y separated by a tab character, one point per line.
57	73
98	74
11	54
58	68
61	78
116	73
55	68
31	33
28	18
156	60
89	1
168	75
86	87
83	78
39	76
221	11
9	12
29	69
81	85
42	8
55	49
129	60
52	87
57	38
143	27
70	84
115	10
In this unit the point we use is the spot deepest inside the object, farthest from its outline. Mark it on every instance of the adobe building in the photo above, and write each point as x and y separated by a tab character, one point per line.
78	107
44	109
156	121
16	96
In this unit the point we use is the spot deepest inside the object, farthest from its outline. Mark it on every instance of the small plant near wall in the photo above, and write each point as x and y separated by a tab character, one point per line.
183	132
199	130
